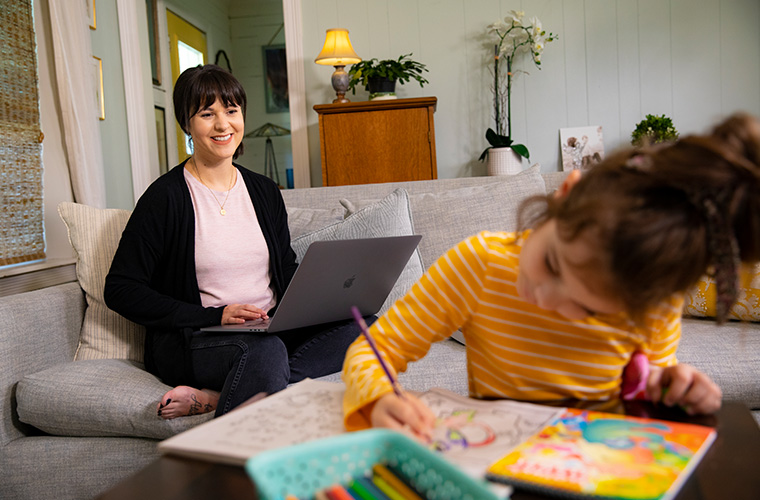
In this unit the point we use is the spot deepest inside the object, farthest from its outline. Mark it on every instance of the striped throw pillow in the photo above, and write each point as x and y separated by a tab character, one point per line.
94	233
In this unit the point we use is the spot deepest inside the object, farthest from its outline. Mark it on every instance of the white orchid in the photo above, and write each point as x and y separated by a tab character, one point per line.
536	26
514	16
513	38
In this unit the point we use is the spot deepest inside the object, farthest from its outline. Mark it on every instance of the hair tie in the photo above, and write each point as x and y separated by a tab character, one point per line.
639	161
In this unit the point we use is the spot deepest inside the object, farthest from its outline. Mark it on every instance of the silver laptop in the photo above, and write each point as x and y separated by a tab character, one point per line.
332	277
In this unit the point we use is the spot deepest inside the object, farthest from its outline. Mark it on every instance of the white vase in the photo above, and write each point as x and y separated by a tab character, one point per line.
504	161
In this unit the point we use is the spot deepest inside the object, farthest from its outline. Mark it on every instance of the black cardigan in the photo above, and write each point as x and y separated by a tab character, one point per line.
152	280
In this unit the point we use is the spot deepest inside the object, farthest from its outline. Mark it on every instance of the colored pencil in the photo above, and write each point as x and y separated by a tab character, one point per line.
360	491
370	487
365	331
338	492
395	482
386	488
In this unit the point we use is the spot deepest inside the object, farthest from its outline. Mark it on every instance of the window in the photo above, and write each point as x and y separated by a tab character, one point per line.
21	216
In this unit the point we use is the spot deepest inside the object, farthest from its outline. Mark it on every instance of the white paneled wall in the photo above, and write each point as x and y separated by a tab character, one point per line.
615	61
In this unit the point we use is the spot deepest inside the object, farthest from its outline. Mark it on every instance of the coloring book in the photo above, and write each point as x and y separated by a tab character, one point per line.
588	454
470	433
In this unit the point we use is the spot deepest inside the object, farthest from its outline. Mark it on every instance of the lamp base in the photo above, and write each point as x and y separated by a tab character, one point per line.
340	84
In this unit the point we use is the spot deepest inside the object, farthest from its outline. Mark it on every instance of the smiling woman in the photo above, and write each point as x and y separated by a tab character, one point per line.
208	244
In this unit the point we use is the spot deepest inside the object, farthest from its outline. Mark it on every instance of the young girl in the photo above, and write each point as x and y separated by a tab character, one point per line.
557	312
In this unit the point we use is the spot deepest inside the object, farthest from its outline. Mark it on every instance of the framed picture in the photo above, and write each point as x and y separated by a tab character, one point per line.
155	55
90	4
581	147
97	72
275	78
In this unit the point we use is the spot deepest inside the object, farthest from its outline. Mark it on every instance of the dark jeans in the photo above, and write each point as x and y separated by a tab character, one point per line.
242	365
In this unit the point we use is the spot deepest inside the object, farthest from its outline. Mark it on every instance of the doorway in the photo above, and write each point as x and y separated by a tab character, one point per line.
187	49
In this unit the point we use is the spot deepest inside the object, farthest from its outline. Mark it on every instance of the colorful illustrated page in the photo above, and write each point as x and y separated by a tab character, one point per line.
603	454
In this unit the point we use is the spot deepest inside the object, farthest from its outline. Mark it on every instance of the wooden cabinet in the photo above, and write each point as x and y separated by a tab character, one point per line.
377	141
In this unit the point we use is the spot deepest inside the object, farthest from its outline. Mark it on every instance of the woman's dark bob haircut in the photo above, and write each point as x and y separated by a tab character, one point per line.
199	87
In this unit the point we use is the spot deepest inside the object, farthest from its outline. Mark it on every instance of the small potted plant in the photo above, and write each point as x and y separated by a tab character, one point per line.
380	77
654	129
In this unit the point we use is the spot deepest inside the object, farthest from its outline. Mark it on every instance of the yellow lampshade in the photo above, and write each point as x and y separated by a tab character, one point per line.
337	50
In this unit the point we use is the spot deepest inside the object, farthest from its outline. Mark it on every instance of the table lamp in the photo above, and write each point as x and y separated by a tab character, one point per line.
270	130
338	52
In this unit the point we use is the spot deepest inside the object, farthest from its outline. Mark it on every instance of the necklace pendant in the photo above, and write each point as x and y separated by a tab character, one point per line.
223	211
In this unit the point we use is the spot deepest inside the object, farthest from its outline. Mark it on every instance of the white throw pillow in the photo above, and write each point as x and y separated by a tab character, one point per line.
95	233
390	216
305	220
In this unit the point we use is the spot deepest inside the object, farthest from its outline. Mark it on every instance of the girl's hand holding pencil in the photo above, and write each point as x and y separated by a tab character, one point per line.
681	385
685	386
398	410
404	414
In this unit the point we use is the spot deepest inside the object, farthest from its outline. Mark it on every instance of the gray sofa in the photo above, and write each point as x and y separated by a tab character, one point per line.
73	429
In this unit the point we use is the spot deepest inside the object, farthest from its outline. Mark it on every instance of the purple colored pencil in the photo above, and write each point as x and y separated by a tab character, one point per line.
365	331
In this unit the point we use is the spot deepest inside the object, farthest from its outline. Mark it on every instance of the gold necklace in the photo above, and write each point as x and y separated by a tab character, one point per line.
232	178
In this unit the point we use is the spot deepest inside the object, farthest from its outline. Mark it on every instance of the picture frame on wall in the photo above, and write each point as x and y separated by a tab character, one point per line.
581	147
97	74
275	79
91	14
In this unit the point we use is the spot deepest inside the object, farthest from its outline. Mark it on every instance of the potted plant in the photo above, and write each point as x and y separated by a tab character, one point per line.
380	77
515	37
654	129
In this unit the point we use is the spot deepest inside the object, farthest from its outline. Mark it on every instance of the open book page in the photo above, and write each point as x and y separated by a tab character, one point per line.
471	433
474	433
303	412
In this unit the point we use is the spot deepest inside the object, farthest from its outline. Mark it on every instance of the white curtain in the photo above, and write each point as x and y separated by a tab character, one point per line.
76	91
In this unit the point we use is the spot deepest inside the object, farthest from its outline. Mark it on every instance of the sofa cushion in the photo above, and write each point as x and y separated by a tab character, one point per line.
98	398
700	299
727	353
94	233
388	217
306	220
448	217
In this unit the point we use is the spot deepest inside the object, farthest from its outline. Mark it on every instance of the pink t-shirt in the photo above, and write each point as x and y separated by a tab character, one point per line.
231	254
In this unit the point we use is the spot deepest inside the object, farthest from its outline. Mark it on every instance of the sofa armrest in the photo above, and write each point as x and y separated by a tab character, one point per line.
37	330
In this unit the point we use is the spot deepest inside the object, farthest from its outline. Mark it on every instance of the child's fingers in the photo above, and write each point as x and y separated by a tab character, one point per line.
676	389
692	401
404	414
703	396
687	387
654	384
425	419
416	416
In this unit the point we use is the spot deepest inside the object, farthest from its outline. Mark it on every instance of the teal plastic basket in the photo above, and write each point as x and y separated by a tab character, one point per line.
303	469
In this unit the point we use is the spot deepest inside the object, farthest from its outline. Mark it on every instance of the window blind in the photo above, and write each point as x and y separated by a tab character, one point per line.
21	209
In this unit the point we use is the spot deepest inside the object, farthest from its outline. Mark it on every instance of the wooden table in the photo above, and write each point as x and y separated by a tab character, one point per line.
728	471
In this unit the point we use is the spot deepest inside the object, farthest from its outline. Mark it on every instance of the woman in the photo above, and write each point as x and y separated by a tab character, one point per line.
208	244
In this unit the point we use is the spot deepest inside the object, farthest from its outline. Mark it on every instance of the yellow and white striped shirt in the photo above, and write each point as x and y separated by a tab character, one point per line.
514	349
